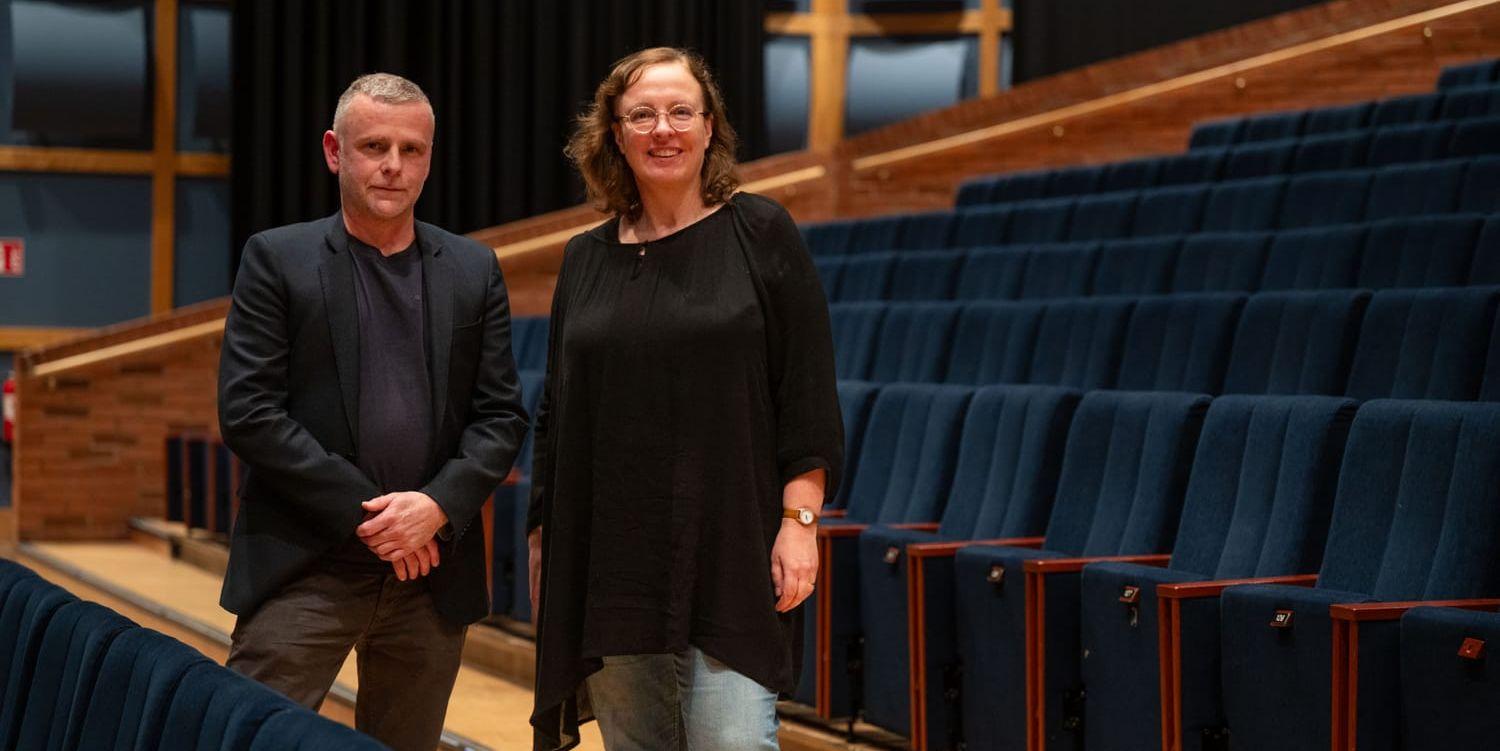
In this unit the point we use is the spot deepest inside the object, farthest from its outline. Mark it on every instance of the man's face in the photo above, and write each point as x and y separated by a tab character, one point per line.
381	155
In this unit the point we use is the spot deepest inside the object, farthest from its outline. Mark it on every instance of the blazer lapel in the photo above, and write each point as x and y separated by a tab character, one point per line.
439	276
337	275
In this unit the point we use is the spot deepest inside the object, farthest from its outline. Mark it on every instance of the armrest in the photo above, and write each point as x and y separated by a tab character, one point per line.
1065	565
918	526
841	530
948	549
835	513
1390	611
1190	590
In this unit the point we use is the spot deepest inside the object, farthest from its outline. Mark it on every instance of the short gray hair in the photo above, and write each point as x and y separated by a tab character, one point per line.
387	88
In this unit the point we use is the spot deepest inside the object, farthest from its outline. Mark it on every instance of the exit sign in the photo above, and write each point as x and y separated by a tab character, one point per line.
12	256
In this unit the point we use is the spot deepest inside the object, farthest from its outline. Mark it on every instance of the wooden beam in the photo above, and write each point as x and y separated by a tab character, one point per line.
17	338
164	157
85	161
830	63
202	165
132	347
991	17
994	21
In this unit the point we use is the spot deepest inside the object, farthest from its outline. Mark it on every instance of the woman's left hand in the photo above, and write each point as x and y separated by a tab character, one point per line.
794	564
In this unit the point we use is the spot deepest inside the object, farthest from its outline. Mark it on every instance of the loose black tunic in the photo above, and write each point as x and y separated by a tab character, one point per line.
688	379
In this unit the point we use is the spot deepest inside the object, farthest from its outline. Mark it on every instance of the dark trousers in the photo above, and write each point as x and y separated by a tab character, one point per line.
408	654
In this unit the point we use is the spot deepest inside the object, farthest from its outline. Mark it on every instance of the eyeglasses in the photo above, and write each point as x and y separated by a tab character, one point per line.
643	119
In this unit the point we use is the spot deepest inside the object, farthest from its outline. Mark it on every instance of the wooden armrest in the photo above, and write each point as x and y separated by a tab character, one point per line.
949	548
842	530
835	513
1067	565
918	526
1390	611
1190	590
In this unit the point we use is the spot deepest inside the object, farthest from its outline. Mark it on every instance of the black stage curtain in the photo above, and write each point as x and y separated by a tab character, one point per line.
1052	36
506	78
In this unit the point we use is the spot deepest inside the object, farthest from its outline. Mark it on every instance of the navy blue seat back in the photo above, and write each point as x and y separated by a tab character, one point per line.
931	275
1469	74
1480	137
876	233
1141	266
1481	189
828	238
1044	221
1020	186
927	230
974	192
866	276
855	327
910	448
29	607
1124	472
1169	211
1484	268
1337	119
304	731
1078	342
532	382
1468	102
1260	495
1259	160
1130	174
1196	166
1062	270
1075	181
1244	205
1179	342
1009	461
1221	262
1325	198
1401	110
914	342
985	225
994	342
1332	151
1430	251
67	671
1295	342
830	269
1102	217
1273	126
1424	344
1224	132
855	400
991	274
1314	258
528	341
143	669
1400	144
1411	189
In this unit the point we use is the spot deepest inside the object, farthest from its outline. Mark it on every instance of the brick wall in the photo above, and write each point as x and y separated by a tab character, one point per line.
90	451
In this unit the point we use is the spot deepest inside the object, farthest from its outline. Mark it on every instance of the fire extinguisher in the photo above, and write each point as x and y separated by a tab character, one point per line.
9	402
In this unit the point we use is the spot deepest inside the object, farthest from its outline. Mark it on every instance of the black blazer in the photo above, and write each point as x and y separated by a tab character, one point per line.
289	397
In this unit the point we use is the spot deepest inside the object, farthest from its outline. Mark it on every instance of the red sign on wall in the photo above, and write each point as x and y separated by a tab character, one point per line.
12	256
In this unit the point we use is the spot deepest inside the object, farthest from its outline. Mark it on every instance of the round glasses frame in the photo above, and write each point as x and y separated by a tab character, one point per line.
643	119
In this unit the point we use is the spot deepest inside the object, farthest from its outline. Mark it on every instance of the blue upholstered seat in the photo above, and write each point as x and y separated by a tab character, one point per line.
1337	119
913	342
1061	270
1415	189
1418	251
1314	258
984	225
828	238
1324	198
855	328
1424	344
1043	221
866	276
1214	133
1332	151
994	342
1078	342
1179	342
1262	159
991	274
1417	142
1448	700
1244	205
1476	73
932	229
931	275
1102	217
1221	262
1141	266
1402	110
1176	210
1295	342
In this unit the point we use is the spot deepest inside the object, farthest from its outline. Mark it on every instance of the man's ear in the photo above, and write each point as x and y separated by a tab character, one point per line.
331	151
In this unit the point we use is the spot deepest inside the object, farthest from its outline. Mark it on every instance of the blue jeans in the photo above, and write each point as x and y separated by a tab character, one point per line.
681	702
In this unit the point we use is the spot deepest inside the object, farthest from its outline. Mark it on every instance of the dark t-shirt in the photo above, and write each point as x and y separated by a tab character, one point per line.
395	396
689	378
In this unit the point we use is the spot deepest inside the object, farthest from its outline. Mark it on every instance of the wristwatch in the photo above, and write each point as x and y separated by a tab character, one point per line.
805	517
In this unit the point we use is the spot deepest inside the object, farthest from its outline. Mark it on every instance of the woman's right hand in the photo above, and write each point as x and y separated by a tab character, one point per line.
534	570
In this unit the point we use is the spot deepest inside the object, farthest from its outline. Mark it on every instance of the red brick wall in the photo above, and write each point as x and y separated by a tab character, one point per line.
90	452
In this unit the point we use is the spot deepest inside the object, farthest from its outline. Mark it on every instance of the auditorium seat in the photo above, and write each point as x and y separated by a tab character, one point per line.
1418	142
29	605
1244	205
1044	221
1075	181
1221	262
828	238
1332	151
1102	217
1314	258
1476	137
1215	133
1337	119
1481	189
528	342
1176	210
1469	74
1470	101
830	269
1297	342
994	342
67	672
906	470
985	225
1179	342
1124	470
1413	189
1424	344
866	276
1259	159
1324	198
1402	110
1130	174
930	275
1257	504
1415	517
1061	270
974	192
991	274
1448	691
932	229
1078	342
913	342
1484	268
876	233
1197	166
1141	266
1273	126
855	401
1009	459
1425	251
855	326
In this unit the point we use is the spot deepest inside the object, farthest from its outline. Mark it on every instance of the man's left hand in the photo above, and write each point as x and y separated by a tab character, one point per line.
402	523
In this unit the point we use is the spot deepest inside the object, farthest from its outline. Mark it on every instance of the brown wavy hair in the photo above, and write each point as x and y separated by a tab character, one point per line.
592	148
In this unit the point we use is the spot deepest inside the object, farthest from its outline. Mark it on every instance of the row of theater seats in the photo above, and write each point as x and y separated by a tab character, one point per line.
1037	561
1434	343
77	675
1324	138
1469	185
1426	251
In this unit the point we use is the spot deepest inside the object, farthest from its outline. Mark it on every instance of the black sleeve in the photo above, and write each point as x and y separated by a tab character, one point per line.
809	424
325	487
541	446
496	419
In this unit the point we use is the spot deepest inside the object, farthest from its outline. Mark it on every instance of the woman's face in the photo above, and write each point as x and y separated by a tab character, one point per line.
664	157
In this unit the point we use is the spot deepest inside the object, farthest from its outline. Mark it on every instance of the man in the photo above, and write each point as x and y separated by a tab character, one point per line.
367	383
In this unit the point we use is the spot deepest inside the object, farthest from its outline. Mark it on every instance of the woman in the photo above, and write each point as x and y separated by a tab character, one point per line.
688	434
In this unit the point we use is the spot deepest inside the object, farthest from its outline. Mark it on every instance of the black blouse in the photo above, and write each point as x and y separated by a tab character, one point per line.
688	380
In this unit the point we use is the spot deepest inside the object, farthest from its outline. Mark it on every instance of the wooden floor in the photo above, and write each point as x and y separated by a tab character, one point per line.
484	709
